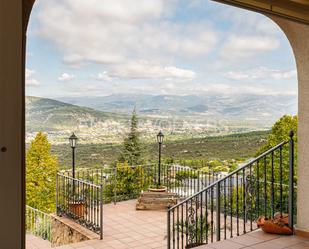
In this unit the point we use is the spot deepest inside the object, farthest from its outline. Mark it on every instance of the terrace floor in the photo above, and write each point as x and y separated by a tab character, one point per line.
260	240
124	227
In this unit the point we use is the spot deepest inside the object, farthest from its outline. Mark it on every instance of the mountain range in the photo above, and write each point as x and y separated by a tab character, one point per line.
243	106
107	119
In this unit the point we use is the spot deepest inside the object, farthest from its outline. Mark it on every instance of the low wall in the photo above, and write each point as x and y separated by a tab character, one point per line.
65	231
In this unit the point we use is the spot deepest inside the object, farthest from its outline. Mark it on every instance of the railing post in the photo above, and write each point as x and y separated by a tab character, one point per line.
115	185
198	180
168	229
101	211
218	213
57	192
291	180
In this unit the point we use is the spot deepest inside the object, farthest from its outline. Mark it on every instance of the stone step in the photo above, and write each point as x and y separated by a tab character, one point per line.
152	206
157	195
156	202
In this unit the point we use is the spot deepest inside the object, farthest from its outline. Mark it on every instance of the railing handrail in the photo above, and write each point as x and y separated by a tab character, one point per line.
230	174
37	210
80	181
108	167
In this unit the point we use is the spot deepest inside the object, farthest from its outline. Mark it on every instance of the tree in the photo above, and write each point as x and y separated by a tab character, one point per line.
41	171
132	151
127	182
280	132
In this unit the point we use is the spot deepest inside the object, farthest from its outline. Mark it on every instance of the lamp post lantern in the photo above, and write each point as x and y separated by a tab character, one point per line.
160	138
73	141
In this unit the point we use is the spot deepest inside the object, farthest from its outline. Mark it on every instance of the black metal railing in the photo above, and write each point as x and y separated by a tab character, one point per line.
126	182
38	223
81	201
185	181
230	206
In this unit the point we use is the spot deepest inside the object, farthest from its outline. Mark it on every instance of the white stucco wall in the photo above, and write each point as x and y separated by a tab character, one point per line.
298	35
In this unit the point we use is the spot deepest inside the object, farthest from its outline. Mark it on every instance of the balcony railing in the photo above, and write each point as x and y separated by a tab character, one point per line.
230	206
127	182
81	201
38	223
82	198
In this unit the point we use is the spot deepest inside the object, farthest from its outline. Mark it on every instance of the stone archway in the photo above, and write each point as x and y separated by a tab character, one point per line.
14	16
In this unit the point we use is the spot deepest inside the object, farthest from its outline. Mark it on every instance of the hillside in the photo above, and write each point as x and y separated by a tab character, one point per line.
50	115
60	119
234	146
260	110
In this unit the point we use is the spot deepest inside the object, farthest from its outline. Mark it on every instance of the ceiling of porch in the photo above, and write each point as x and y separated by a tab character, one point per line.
297	10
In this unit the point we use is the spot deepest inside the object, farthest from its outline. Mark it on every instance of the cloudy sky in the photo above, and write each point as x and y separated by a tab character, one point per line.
103	47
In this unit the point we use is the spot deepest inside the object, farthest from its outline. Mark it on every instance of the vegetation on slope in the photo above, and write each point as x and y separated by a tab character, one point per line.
236	146
52	115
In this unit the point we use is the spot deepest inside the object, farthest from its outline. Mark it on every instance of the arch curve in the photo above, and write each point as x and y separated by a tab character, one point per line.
298	35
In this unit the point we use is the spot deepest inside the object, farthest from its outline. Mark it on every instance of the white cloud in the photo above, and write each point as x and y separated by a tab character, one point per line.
103	77
66	77
119	33
243	47
30	81
29	72
261	73
144	69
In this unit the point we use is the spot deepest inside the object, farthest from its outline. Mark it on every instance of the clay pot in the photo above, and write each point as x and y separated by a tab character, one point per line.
271	226
260	221
78	209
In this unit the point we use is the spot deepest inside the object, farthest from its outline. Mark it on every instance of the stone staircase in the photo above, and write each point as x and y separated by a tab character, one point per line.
156	200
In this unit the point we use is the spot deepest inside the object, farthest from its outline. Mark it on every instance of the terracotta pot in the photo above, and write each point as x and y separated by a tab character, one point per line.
271	226
157	189
77	209
260	221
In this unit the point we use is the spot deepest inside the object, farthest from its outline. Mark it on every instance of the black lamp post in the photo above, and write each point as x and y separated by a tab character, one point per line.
73	141
160	138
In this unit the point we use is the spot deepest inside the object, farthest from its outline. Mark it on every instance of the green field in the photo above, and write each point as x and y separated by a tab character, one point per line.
236	146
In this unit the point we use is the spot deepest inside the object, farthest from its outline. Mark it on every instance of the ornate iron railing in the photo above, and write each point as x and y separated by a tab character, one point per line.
126	182
230	206
38	223
81	201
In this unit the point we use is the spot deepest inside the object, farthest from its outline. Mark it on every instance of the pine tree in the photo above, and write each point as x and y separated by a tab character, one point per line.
132	151
41	170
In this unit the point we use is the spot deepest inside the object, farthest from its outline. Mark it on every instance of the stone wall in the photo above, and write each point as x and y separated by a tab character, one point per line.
65	231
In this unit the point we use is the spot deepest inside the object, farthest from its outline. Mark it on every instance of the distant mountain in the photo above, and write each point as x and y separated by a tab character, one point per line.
51	115
248	107
107	119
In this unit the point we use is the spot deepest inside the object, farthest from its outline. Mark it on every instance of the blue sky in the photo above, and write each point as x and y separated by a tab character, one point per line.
101	47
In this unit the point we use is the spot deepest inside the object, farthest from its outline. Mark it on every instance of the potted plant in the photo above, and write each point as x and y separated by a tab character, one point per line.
157	188
277	225
77	204
78	208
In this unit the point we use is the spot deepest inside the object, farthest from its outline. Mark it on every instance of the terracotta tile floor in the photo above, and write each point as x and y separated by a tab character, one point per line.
33	242
260	240
124	227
